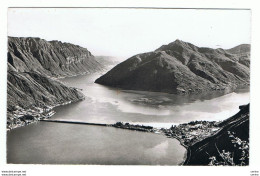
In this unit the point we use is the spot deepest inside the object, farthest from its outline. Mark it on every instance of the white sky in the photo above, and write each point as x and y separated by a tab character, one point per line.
126	32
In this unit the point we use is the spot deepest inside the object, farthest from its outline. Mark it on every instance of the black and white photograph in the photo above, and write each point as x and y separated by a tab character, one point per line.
161	87
129	89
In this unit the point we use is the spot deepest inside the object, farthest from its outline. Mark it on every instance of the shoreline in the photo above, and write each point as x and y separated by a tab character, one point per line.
39	112
187	134
127	126
224	88
28	116
142	128
135	127
50	108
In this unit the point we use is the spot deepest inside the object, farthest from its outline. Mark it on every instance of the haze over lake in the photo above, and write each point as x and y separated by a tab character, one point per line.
81	144
109	105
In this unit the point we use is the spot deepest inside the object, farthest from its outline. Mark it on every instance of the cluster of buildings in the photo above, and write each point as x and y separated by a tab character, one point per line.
192	132
134	127
187	133
21	117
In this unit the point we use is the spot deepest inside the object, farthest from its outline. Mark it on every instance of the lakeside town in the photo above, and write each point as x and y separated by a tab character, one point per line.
187	133
192	132
21	117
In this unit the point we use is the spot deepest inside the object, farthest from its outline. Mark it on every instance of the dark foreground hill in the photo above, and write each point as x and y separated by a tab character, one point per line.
229	146
181	67
33	65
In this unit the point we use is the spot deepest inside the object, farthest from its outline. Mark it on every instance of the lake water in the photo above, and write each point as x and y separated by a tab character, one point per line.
55	143
52	143
109	105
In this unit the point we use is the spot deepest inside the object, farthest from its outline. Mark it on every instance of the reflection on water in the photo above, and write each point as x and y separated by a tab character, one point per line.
52	143
109	105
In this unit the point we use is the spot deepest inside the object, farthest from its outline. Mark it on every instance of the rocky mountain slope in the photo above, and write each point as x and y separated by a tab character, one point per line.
32	89
49	58
182	67
229	146
33	66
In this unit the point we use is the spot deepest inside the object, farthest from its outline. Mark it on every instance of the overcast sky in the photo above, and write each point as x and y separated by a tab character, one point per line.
126	32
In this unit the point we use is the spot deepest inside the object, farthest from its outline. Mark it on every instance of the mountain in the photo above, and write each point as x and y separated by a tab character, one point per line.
233	137
182	67
243	48
107	60
29	89
34	65
49	58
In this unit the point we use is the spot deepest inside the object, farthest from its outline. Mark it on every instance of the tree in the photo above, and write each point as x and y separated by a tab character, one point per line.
227	158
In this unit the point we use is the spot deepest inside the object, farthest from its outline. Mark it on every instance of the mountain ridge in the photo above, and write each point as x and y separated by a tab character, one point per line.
34	65
50	58
180	67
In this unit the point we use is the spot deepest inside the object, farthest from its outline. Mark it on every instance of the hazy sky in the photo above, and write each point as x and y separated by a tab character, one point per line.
126	32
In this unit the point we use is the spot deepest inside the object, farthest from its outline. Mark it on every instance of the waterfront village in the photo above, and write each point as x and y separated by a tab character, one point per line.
192	132
22	117
187	133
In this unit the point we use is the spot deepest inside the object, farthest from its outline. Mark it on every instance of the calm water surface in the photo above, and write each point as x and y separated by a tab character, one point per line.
53	143
109	105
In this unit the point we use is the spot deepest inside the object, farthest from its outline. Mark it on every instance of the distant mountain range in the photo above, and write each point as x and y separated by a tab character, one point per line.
33	66
107	60
182	67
